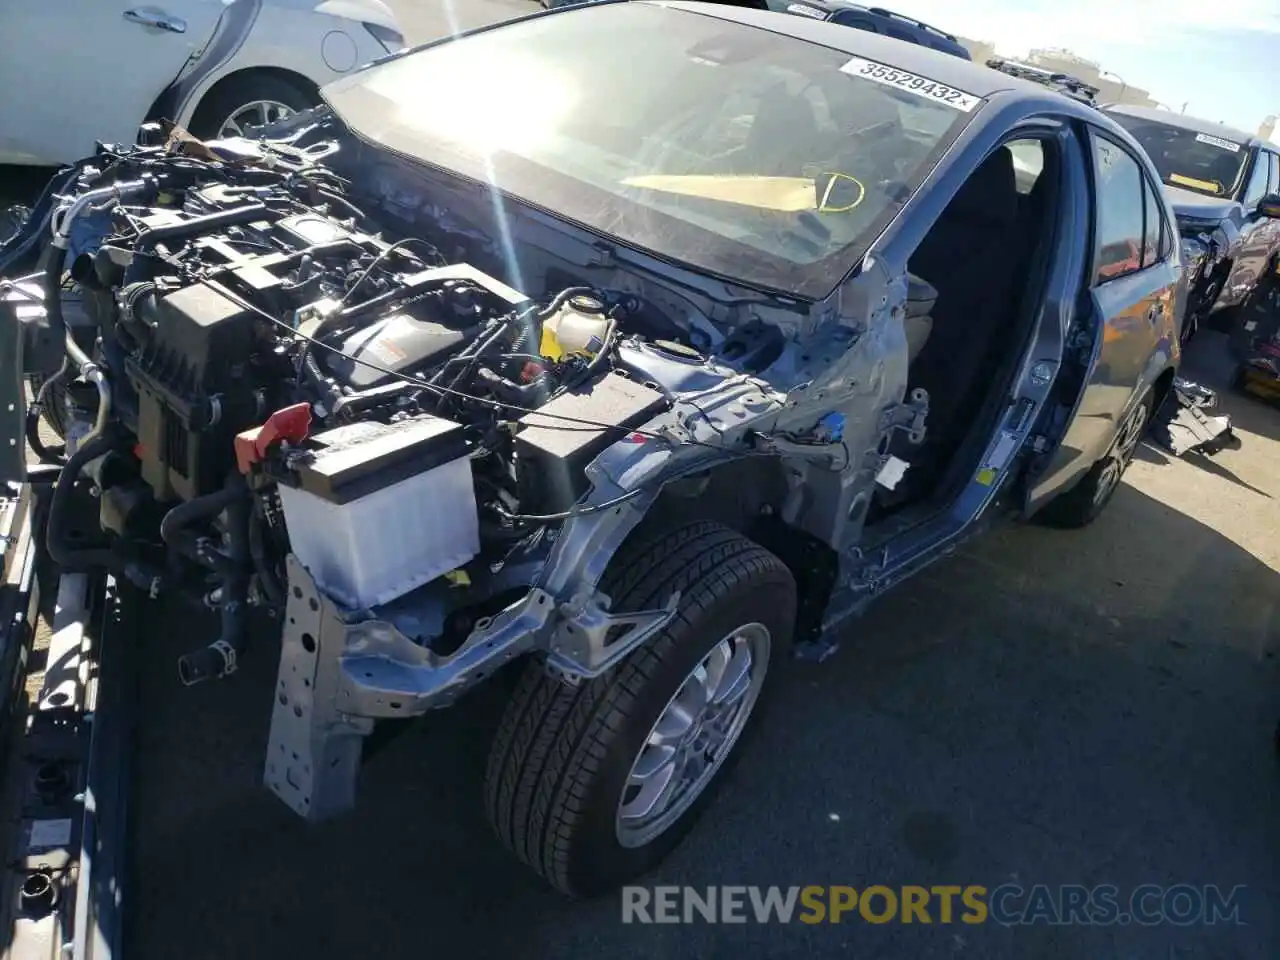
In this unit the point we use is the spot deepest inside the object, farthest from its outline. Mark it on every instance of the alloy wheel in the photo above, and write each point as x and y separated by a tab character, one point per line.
693	735
256	113
1122	451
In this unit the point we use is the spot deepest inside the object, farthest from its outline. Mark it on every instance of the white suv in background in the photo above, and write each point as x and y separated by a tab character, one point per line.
78	71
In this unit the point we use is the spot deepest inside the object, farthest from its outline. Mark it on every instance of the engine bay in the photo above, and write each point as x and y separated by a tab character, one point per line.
267	372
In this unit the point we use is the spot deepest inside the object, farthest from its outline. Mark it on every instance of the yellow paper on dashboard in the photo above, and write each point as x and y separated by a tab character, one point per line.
781	194
1194	183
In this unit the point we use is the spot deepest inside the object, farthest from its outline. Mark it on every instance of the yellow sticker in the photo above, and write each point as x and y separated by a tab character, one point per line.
987	476
458	578
1197	184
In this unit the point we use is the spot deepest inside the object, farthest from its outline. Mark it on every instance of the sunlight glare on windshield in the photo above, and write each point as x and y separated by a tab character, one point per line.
513	104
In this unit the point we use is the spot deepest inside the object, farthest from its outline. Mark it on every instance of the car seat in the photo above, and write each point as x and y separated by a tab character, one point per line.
1223	169
973	257
784	127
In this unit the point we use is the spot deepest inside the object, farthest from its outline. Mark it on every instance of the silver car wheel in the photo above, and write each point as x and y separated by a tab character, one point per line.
256	113
1122	452
693	735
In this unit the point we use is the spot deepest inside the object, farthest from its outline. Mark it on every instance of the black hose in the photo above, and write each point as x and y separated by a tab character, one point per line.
220	658
519	394
337	198
469	357
208	223
48	453
52	281
272	589
595	363
175	533
330	393
563	297
72	558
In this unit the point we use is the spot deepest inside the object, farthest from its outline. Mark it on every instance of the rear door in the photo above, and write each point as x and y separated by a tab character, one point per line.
1126	326
76	71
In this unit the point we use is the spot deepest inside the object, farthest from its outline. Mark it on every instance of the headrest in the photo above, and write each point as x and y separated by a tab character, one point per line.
991	193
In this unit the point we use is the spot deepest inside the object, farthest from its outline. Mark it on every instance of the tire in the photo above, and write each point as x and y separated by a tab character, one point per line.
54	412
1084	503
229	98
563	755
1190	327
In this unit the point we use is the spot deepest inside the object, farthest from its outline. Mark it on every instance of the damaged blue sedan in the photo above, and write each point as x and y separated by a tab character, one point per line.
621	378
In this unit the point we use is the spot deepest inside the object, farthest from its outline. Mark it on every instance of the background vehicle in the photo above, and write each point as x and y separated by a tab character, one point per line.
873	20
1063	83
697	381
96	69
1258	371
1224	186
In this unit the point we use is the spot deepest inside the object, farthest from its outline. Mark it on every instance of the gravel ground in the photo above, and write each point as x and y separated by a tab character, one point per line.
1045	707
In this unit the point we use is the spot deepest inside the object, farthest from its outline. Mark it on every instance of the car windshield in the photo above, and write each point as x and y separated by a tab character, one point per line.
744	153
1201	162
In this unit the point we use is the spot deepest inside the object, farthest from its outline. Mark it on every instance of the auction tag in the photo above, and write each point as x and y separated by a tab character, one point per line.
1217	142
910	82
805	10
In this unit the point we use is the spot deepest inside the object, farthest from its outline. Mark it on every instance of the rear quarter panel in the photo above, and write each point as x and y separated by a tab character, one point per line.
278	37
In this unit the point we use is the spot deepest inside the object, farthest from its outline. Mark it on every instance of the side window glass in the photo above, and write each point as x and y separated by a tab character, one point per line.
1151	242
1119	211
1275	174
1028	163
1258	176
1166	240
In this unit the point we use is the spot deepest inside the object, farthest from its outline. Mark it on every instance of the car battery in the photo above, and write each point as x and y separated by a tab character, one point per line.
380	509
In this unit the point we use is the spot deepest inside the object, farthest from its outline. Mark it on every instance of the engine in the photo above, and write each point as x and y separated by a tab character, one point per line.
247	308
282	377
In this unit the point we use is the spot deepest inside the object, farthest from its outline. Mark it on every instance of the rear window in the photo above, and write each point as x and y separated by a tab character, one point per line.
745	153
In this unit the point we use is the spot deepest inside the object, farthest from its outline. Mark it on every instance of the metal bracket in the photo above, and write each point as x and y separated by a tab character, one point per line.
313	750
337	676
908	416
589	639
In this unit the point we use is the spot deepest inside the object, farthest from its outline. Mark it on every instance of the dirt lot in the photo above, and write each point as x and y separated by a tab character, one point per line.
1046	707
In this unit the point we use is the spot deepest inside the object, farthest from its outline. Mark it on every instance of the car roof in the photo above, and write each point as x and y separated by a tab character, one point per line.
1183	122
833	5
914	58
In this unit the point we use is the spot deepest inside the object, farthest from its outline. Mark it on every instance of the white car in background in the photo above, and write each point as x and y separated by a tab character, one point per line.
74	72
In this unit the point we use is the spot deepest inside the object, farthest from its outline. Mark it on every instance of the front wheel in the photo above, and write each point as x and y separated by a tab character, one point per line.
592	785
1085	502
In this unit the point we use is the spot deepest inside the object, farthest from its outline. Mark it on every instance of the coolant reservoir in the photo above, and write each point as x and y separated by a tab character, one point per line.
577	327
